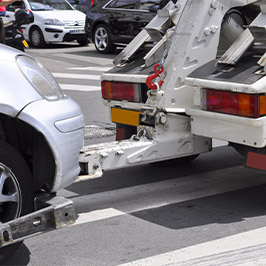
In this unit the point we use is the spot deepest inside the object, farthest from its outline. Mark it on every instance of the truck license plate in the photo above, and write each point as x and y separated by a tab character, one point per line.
126	117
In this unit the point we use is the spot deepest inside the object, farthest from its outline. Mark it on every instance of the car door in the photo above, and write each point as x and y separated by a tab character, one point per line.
146	11
121	18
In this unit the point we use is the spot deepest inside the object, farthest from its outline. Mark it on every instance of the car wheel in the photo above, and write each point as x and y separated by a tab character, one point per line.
83	42
102	39
16	190
36	38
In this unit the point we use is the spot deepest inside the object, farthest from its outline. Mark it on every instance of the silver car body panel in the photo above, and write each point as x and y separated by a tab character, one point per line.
60	122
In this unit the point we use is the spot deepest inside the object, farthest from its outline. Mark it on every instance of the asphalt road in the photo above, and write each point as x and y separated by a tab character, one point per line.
209	212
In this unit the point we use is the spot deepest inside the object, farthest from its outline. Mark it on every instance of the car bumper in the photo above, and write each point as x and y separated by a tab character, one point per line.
62	124
246	131
59	34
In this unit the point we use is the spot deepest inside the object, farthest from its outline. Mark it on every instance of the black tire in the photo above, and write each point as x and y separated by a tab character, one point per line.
16	190
83	42
177	161
102	39
36	37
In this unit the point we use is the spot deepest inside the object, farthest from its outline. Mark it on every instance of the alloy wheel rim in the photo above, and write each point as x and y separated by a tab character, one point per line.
101	39
35	37
10	195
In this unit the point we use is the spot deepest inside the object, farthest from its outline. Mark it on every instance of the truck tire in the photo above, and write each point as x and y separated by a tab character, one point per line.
16	190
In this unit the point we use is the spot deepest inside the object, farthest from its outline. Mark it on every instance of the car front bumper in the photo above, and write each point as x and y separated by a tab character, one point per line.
59	34
62	124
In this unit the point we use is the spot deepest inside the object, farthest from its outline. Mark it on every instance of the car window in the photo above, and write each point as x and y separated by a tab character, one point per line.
126	4
38	5
147	4
14	6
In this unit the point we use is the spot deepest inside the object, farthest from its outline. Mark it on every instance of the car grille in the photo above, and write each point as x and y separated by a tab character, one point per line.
73	24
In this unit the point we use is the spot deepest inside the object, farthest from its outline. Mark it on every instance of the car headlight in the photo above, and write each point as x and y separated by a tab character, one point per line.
40	78
50	21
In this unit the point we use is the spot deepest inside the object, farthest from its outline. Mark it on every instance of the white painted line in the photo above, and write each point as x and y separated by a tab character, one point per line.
97	215
76	76
101	69
73	87
230	250
164	193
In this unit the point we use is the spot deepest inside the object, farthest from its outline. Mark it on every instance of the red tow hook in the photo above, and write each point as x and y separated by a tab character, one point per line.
149	81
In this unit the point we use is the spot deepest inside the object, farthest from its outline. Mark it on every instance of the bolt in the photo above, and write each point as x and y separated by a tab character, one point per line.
207	31
95	167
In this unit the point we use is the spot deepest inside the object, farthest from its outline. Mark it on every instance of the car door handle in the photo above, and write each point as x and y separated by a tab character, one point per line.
7	16
137	18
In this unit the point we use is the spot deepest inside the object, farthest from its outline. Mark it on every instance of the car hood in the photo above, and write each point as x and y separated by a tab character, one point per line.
60	14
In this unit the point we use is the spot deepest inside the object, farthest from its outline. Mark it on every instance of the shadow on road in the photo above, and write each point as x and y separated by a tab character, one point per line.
219	158
20	258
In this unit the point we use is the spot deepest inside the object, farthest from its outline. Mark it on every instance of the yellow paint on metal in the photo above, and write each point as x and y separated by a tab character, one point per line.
127	117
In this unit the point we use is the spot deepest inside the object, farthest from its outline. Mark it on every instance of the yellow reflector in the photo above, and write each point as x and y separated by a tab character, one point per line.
25	43
126	117
107	89
262	105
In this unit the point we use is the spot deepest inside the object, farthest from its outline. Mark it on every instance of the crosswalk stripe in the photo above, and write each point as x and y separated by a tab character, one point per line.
239	249
73	87
164	193
76	76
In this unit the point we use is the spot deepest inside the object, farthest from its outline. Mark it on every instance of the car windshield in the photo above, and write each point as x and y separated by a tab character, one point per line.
40	5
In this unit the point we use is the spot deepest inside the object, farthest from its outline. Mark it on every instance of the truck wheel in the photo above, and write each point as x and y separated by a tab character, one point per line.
36	38
16	190
102	39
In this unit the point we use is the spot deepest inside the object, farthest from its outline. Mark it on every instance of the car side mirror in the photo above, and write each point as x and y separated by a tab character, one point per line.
154	8
23	16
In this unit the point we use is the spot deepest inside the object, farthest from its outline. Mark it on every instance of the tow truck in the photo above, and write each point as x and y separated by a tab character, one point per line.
195	73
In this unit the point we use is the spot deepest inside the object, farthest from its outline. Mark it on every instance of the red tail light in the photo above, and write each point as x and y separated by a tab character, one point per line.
242	104
121	91
91	3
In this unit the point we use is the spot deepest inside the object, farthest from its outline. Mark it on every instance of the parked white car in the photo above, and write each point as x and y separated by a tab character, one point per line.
54	21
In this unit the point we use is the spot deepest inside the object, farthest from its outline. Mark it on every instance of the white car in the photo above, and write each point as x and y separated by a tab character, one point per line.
54	21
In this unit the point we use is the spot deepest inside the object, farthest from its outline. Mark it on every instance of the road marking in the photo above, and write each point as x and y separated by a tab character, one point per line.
73	87
164	193
101	69
97	215
76	76
239	249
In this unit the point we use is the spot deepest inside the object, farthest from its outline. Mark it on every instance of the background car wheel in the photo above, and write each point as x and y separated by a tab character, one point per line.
16	190
84	42
102	39
36	38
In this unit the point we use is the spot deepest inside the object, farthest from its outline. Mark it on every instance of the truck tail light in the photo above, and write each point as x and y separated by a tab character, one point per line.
241	104
121	91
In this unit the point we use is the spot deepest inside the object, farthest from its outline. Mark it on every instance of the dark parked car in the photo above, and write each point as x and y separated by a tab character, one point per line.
112	23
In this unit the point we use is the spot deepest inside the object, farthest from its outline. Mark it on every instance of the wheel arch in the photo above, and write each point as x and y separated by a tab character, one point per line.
95	25
32	28
33	147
